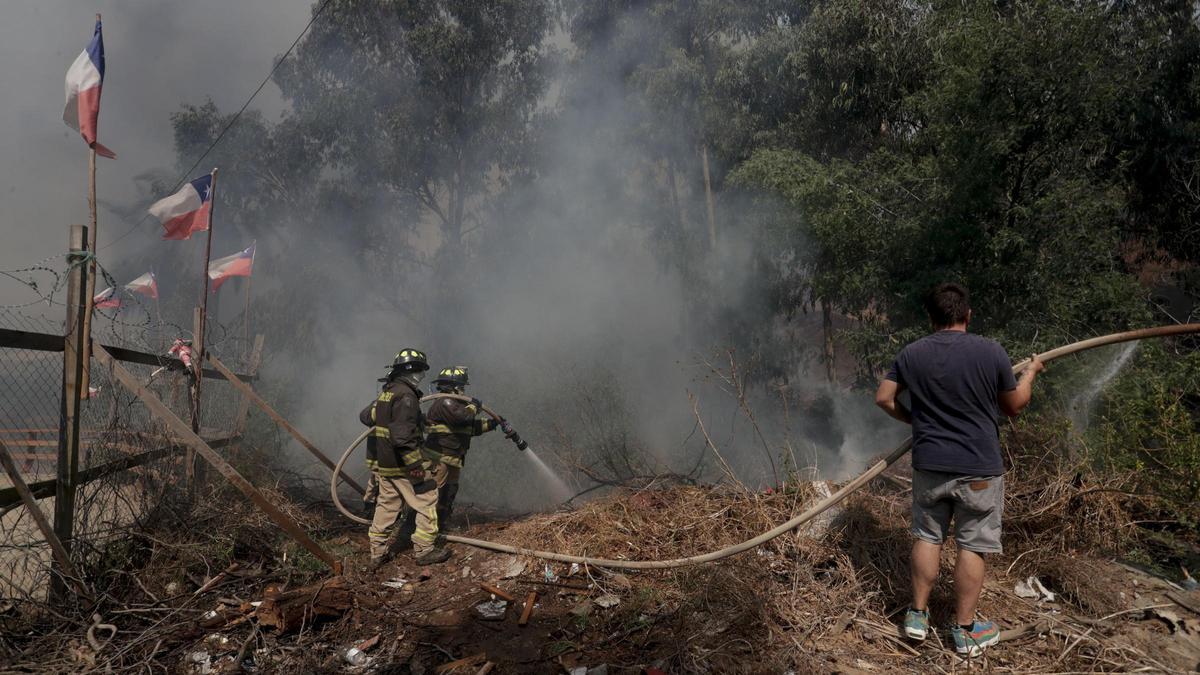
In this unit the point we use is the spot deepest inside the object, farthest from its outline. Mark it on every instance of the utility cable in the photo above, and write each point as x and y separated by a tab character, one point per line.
816	510
233	120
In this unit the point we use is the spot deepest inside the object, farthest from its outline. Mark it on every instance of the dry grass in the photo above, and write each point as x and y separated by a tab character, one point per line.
819	600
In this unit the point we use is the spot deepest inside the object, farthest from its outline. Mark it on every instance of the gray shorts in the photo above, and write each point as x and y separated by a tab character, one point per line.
975	503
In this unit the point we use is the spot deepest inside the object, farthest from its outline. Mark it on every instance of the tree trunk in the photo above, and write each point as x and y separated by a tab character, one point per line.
827	330
708	196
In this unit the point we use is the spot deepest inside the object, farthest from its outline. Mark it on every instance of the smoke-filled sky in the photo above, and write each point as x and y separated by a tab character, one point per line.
581	336
159	55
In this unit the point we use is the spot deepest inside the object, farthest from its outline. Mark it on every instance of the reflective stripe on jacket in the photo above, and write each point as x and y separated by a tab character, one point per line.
450	425
397	427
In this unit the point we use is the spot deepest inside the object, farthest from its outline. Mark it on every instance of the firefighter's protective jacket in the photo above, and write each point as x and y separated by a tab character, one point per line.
394	445
450	425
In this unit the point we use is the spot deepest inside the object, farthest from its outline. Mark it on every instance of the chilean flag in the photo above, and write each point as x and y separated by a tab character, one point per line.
146	284
236	265
106	299
186	211
84	79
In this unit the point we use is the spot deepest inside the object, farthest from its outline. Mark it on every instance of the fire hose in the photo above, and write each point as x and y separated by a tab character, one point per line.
814	511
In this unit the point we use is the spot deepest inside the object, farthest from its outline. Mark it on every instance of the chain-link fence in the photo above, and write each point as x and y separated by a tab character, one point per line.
129	467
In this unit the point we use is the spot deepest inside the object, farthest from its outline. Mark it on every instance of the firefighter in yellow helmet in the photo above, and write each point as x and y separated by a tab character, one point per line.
450	425
395	458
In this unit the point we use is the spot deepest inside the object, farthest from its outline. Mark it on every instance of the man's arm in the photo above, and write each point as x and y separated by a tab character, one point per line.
887	397
1013	401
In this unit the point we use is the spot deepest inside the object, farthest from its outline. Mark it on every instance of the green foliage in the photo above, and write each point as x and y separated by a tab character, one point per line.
991	153
1150	422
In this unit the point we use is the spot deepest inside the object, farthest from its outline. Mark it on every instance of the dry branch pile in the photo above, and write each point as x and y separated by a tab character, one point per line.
826	598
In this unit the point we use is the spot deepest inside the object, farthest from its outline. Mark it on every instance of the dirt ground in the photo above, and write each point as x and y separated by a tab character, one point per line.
827	598
810	604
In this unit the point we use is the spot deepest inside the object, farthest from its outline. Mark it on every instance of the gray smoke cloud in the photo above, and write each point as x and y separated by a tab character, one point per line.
158	55
580	334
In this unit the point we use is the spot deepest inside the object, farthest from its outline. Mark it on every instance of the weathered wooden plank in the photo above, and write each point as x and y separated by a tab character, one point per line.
239	422
56	547
46	342
39	342
279	419
191	440
74	388
45	488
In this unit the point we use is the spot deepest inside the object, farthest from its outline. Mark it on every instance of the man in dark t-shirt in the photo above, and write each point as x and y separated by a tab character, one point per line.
958	384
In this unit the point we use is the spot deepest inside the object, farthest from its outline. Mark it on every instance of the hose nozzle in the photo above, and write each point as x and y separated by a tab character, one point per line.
512	435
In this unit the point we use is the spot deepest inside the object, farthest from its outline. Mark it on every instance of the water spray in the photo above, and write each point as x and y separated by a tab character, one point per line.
507	428
814	511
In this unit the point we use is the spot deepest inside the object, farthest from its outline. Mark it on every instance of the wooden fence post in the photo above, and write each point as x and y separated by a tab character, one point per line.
279	419
192	465
193	440
74	349
65	569
239	422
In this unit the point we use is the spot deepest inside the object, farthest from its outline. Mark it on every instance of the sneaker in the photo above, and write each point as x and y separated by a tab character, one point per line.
973	642
916	624
434	557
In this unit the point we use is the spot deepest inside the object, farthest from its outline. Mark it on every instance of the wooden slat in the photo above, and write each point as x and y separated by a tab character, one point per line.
239	420
45	488
279	419
44	342
189	438
56	547
20	339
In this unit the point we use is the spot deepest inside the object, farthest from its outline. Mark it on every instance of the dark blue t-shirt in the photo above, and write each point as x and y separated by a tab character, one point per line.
953	379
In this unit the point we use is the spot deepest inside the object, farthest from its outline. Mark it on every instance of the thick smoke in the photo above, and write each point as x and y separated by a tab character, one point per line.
577	321
578	326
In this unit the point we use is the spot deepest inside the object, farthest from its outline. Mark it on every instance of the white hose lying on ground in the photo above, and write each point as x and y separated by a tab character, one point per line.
816	510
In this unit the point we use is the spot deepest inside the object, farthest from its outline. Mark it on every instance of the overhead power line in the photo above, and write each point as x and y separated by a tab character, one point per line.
233	120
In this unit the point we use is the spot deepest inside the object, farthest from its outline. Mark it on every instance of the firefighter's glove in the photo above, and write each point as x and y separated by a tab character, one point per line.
507	429
477	403
416	475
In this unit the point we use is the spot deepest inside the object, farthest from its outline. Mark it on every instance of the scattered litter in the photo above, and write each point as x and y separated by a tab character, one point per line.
492	610
217	641
1189	582
608	600
530	603
1033	588
496	591
574	570
396	583
549	574
200	662
356	657
174	588
515	567
1173	620
466	572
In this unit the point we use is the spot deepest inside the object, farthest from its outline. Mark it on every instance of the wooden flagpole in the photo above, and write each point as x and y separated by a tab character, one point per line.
198	342
246	315
91	277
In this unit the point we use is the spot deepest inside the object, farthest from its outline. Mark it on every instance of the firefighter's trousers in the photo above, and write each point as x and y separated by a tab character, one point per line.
447	482
394	495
